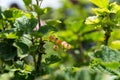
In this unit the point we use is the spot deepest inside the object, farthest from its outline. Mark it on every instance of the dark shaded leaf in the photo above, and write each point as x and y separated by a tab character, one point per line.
7	50
22	49
52	59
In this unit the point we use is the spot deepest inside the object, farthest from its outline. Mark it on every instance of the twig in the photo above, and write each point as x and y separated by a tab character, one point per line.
41	3
38	16
81	49
88	32
107	36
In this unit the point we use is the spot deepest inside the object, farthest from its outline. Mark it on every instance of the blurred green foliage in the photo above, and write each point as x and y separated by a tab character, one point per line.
26	53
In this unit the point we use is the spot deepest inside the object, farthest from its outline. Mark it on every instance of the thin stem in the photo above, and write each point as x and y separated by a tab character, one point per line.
107	36
41	43
35	63
34	55
39	24
91	31
81	49
41	3
38	16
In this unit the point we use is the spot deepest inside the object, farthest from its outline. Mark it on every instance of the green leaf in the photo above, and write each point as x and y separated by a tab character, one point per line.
112	65
52	59
11	35
8	13
101	3
27	2
26	39
50	51
53	22
107	54
25	24
46	29
106	60
22	49
19	64
8	34
1	24
39	10
22	23
114	7
7	50
12	13
81	75
43	31
49	48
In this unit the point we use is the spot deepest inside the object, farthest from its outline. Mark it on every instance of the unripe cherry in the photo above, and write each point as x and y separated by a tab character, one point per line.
55	47
66	45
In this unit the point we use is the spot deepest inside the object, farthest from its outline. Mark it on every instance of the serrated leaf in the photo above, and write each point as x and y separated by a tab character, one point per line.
107	54
100	3
21	23
25	24
106	60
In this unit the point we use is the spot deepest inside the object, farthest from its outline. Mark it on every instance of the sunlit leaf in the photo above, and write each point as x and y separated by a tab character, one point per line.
101	3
